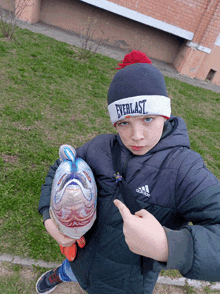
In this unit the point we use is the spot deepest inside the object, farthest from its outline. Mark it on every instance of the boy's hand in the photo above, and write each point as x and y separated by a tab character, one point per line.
63	240
143	233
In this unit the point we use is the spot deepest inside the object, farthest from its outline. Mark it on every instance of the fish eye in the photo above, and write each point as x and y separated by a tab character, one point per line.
88	177
61	179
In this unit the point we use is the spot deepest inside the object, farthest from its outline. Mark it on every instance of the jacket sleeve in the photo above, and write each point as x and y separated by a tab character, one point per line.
44	202
194	250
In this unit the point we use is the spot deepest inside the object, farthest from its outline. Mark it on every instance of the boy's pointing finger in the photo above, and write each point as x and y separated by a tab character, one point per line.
125	212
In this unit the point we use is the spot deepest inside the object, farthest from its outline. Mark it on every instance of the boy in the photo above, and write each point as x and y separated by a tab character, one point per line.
148	166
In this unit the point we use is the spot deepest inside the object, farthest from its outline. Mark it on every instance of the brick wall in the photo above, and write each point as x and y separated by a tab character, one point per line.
119	32
210	26
7	4
185	14
201	17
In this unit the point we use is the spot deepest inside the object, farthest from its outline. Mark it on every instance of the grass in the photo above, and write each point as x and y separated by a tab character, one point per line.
17	280
49	96
173	274
200	109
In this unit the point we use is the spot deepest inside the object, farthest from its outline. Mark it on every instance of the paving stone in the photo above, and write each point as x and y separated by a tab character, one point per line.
197	284
169	281
216	286
6	257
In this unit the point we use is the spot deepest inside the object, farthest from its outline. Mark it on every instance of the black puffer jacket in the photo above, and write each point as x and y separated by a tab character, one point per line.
171	182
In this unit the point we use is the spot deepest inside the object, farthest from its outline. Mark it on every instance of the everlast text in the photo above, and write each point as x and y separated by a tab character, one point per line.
129	108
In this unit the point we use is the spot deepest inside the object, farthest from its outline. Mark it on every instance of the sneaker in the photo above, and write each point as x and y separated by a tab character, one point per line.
48	281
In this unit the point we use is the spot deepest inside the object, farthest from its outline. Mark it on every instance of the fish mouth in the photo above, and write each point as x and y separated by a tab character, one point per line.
81	177
80	180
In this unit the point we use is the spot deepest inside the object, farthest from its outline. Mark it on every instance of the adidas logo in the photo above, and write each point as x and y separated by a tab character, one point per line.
144	190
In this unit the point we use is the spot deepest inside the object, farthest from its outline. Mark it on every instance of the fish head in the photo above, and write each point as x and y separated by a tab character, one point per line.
74	194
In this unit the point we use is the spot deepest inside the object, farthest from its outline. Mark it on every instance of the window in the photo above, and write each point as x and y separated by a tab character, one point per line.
210	75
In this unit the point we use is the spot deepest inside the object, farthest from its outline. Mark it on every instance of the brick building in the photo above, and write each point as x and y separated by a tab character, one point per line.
185	33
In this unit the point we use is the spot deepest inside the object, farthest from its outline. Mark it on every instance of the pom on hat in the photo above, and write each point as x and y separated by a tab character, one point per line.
134	57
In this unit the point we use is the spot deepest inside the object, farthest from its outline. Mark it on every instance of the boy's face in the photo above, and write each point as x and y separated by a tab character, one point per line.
140	133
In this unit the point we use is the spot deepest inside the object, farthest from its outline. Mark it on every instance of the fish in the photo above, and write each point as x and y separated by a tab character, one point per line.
73	195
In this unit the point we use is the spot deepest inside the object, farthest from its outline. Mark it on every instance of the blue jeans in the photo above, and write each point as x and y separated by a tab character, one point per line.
65	272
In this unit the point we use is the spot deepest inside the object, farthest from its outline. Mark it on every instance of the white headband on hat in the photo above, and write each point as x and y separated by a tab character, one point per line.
139	105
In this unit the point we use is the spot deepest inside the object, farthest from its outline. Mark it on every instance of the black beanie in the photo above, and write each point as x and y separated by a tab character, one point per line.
138	89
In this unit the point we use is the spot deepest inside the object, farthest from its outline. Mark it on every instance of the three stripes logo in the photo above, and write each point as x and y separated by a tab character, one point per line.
144	190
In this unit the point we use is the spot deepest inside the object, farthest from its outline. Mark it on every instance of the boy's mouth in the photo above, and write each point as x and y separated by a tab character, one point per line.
137	148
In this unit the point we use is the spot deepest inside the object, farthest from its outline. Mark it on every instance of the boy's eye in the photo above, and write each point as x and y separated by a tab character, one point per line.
148	119
123	123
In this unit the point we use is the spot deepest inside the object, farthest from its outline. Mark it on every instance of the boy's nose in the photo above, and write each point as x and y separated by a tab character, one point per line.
137	133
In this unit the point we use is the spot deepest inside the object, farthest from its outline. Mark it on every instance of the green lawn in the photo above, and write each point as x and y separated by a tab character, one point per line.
15	279
48	97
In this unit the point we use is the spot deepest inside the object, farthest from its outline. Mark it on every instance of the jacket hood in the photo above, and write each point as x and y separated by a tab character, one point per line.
174	134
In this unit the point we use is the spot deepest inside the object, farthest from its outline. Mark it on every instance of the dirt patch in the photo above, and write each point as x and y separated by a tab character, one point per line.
69	288
164	289
4	270
167	289
28	274
9	158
